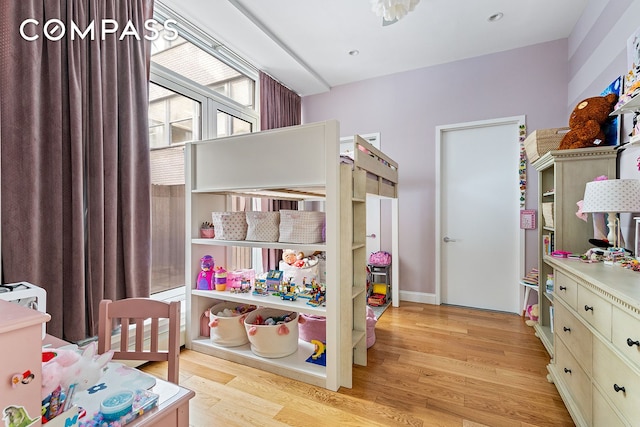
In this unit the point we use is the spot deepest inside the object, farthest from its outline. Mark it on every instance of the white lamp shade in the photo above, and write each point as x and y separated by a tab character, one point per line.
612	195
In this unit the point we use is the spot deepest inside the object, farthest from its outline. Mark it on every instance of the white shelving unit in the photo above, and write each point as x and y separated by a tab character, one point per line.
293	163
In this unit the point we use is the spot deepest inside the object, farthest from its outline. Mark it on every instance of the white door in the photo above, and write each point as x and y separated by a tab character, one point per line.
480	244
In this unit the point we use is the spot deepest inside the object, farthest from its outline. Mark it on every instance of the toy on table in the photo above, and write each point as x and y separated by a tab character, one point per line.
65	372
205	277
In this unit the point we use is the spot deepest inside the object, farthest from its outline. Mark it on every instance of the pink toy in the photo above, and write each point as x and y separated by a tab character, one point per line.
54	362
205	277
87	370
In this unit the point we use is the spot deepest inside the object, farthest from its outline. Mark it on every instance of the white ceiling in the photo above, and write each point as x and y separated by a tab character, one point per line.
305	43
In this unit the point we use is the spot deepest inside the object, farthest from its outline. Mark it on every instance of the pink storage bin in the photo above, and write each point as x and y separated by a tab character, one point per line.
371	327
312	327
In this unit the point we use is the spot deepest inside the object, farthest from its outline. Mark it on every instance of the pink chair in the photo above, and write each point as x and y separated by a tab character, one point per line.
132	314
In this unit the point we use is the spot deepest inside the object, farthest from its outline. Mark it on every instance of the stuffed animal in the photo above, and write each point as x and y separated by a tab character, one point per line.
54	362
533	311
87	371
62	367
586	122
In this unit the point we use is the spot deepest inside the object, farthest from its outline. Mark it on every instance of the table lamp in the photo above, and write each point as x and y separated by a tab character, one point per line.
612	196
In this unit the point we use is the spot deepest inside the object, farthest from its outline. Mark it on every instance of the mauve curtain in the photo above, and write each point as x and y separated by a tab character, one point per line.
75	158
279	107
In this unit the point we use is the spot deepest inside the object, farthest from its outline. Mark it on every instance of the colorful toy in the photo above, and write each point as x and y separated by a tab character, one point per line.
260	288
205	277
532	311
220	279
273	280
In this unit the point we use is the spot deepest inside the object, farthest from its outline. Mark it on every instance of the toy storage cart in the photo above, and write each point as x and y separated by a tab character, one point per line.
381	274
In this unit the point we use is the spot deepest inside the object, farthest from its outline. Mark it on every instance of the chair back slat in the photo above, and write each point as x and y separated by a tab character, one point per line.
155	336
124	333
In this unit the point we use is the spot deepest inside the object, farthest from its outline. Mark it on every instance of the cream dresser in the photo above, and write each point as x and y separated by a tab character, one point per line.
596	363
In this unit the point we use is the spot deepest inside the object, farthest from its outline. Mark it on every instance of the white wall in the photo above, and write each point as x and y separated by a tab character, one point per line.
407	107
597	55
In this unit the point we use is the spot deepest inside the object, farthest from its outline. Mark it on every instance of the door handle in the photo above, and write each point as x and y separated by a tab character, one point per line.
373	235
448	239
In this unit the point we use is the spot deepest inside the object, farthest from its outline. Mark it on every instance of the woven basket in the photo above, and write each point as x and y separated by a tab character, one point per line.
541	141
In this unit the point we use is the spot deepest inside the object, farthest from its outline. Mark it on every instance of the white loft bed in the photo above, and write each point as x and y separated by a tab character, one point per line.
294	163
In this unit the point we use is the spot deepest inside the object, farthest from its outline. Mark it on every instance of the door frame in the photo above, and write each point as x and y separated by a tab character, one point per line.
440	130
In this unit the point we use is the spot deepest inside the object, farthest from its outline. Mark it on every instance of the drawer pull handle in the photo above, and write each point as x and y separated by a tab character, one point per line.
617	388
631	342
564	328
563	288
587	308
568	371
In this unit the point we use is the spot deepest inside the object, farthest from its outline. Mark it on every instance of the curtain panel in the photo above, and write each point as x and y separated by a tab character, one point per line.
75	186
279	107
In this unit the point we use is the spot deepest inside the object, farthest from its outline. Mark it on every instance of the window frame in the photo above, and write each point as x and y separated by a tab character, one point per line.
210	101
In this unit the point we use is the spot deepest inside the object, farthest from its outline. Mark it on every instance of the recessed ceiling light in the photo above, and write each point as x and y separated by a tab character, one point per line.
495	17
354	52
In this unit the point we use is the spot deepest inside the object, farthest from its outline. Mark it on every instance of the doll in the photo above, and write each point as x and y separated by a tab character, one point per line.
205	277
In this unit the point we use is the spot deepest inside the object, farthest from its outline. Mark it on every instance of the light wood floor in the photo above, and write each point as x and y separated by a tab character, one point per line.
430	366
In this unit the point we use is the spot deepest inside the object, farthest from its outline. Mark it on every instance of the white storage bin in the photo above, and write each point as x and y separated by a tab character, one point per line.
229	225
272	341
229	331
263	226
301	226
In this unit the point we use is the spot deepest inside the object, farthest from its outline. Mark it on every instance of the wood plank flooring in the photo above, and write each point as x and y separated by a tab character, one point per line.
430	366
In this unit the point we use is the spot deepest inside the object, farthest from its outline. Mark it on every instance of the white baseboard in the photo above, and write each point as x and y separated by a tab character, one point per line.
421	297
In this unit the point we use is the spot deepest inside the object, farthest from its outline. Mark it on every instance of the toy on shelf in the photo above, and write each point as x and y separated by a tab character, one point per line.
220	279
315	292
207	230
273	280
205	277
288	291
260	288
378	296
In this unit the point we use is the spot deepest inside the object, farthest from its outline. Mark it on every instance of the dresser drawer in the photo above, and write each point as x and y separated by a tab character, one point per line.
574	334
603	413
576	379
565	288
625	335
595	310
611	374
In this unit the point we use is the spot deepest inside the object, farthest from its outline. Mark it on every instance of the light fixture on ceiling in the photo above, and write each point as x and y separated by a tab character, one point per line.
392	11
495	17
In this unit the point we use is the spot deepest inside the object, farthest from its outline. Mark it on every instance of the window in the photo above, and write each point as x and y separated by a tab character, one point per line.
193	95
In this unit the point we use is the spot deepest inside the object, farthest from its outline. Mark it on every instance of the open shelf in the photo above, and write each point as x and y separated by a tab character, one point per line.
300	305
632	106
266	245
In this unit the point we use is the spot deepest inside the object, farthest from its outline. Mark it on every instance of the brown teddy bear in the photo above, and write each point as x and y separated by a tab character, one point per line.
586	122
